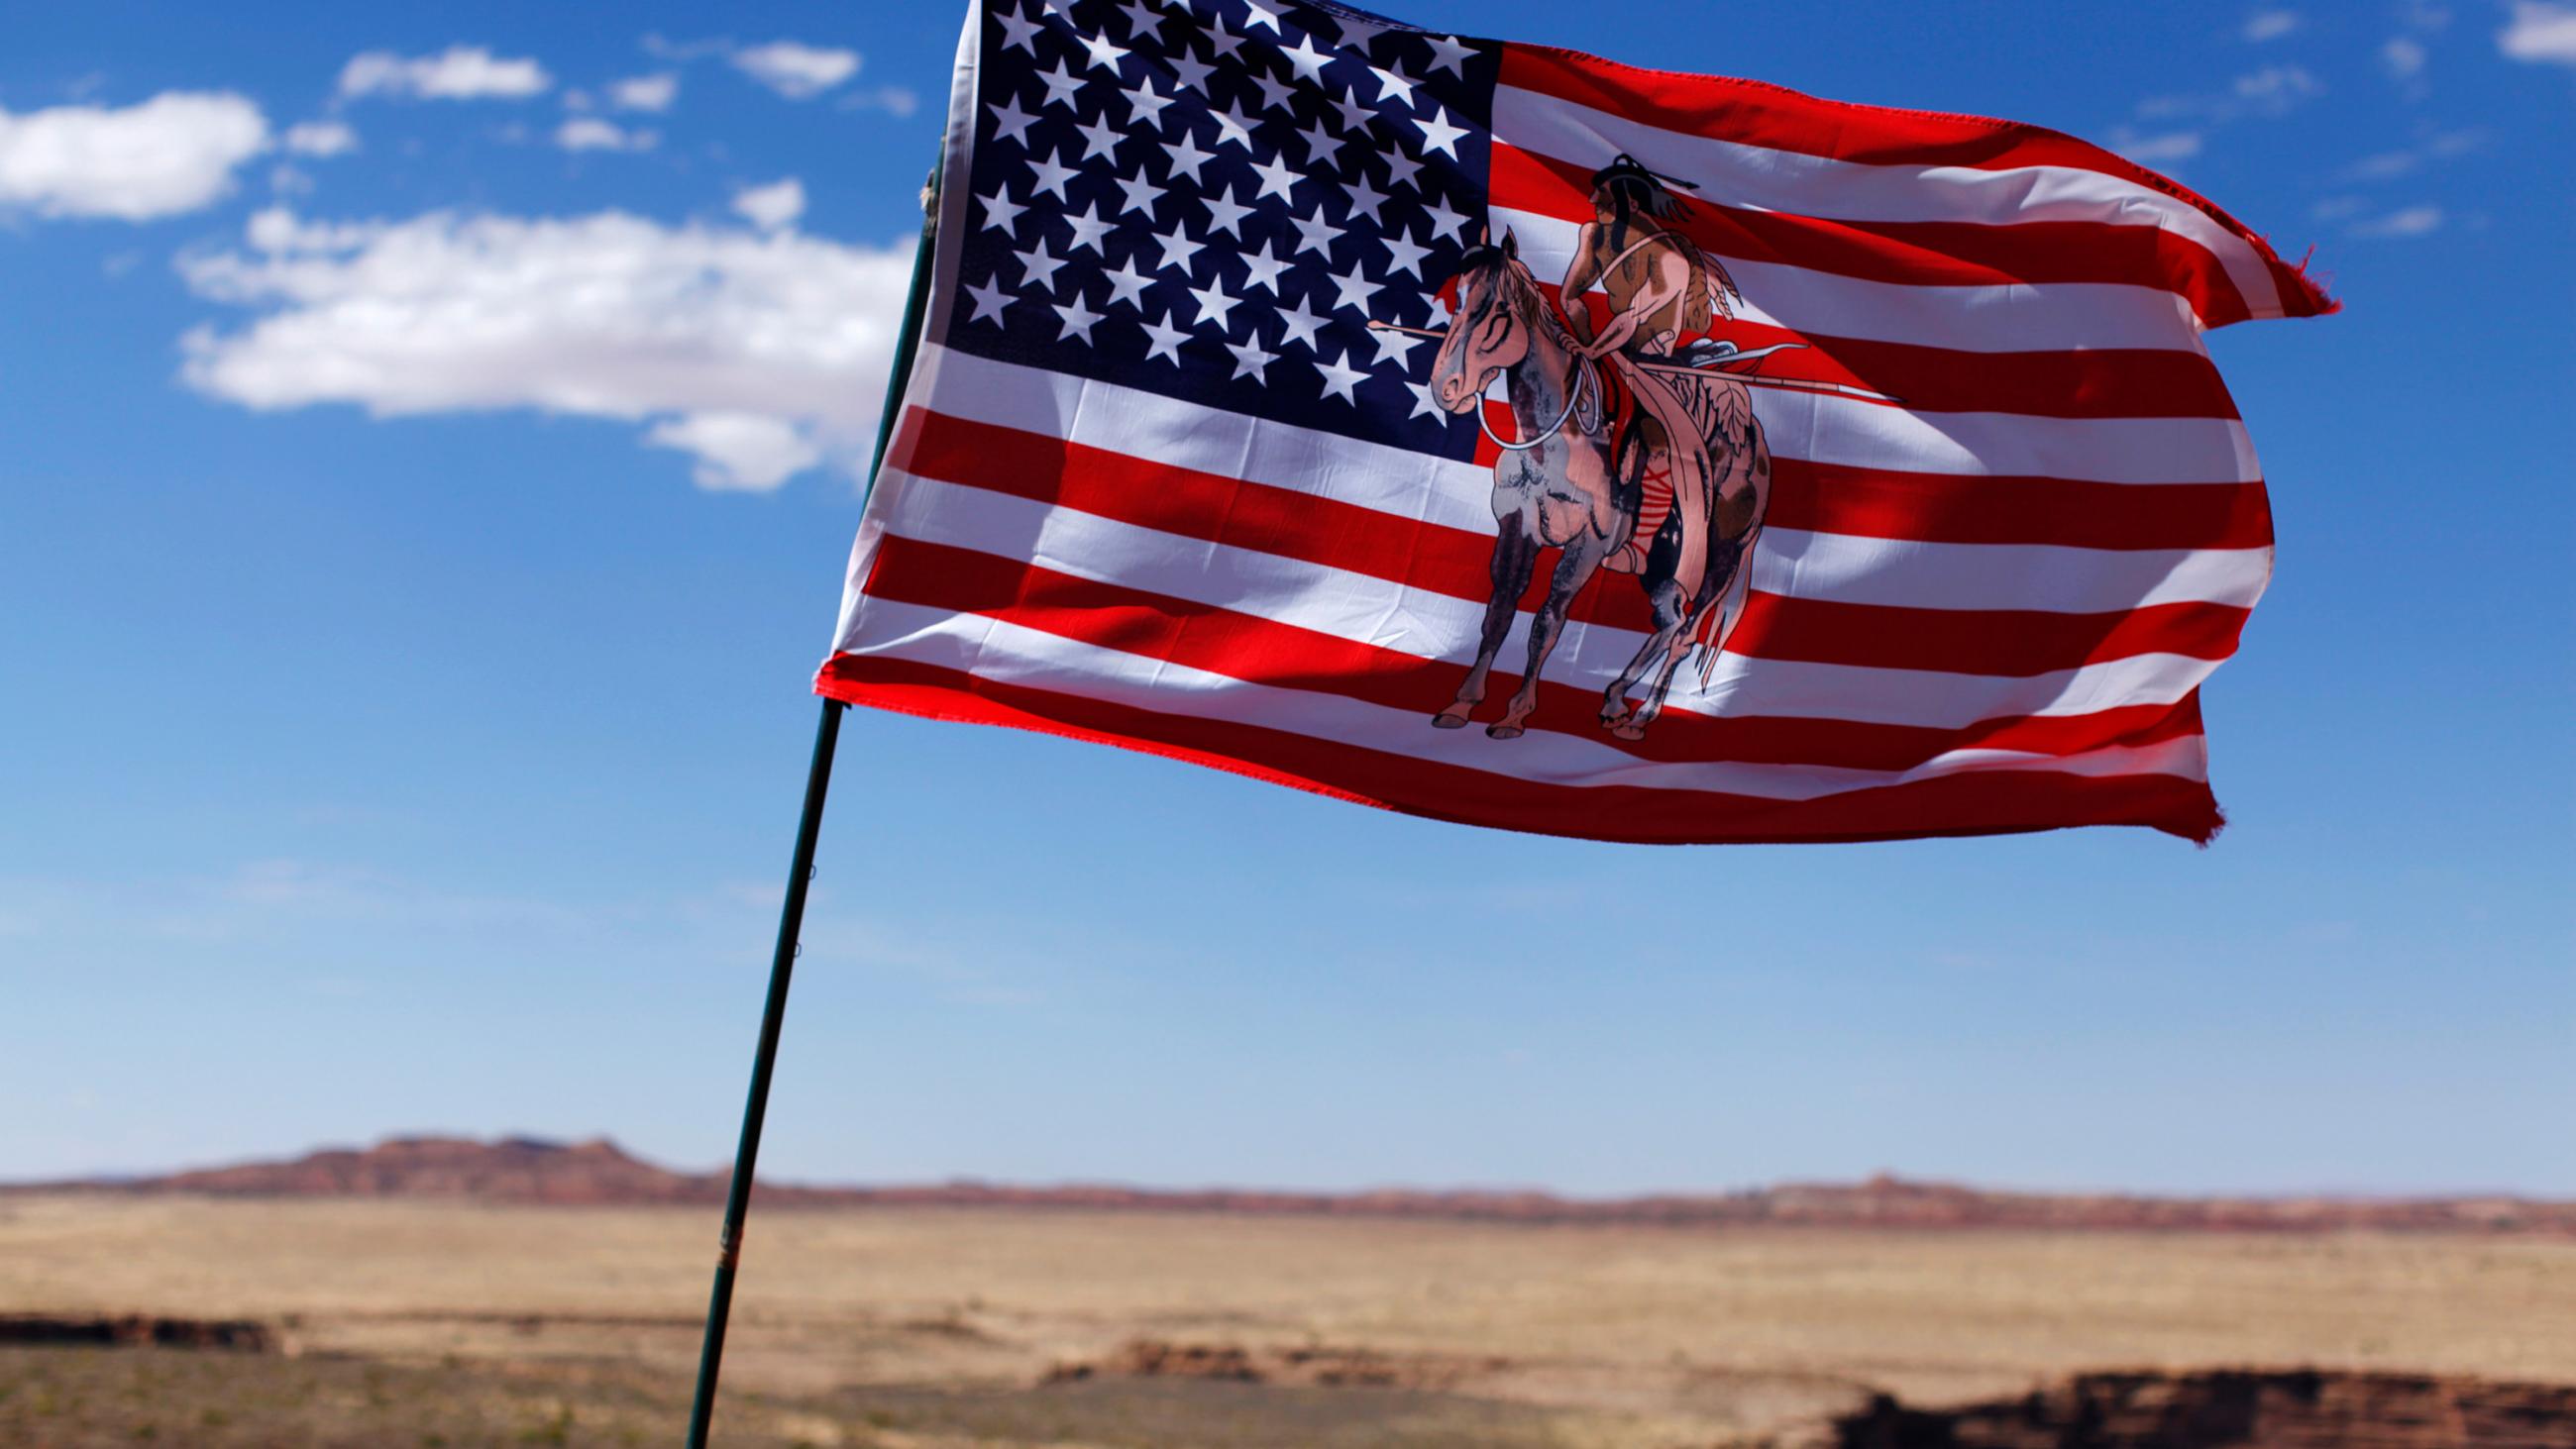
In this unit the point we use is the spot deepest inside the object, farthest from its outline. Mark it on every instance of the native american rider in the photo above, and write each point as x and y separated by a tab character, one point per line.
1663	292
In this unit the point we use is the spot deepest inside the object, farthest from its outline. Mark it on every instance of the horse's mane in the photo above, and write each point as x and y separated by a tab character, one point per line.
1532	304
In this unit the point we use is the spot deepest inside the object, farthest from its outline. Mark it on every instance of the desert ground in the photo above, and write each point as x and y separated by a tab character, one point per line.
416	1323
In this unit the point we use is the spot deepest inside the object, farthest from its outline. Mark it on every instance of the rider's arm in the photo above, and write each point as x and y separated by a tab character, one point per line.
1580	274
1671	274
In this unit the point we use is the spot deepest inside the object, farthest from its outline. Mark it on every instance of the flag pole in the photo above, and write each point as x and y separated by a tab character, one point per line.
800	873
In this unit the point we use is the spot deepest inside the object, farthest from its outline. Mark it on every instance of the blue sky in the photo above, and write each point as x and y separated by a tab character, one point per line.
430	448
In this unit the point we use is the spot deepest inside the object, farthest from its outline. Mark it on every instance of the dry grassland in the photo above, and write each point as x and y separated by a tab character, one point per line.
418	1324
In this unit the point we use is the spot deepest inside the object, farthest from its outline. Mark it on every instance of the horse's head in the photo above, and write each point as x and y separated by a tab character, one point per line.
1489	325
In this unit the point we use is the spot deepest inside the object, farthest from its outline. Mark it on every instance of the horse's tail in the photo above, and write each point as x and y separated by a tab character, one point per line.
1709	632
1718	620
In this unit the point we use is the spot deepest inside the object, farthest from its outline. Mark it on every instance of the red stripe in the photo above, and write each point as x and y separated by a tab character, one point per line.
1984	803
1454	562
1936	507
1285	656
1757	114
1923	253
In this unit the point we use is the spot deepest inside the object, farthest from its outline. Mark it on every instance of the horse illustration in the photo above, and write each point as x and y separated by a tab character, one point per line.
1587	435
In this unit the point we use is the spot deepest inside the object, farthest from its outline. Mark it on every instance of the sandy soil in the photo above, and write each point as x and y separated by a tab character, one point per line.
864	1321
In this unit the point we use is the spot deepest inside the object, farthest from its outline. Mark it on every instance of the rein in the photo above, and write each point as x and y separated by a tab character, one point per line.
1586	379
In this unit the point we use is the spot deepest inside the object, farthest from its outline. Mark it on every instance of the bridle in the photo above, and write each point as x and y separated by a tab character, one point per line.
1587	379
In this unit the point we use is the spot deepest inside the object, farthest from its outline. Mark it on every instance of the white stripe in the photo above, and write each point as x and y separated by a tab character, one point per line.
1378	612
1410	486
1010	654
1980	317
1852	569
1804	185
1833	430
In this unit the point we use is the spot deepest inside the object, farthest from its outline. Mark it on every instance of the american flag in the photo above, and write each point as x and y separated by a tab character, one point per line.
1157	480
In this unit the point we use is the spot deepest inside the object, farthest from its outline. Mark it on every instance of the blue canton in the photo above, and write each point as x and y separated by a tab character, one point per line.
1212	199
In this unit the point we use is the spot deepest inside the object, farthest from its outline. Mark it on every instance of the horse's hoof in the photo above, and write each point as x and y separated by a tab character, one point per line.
1613	721
1447	721
1502	731
1628	729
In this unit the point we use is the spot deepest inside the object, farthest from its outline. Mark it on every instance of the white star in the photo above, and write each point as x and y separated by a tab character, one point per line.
1423	402
1264	267
1145	104
1276	95
1320	148
1137	194
1018	32
1256	13
1391	80
1167	339
1052	174
1010	123
1301	324
1394	344
1233	125
1339	378
1179	249
1126	284
990	299
1088	229
1355	116
1186	156
1225	214
1401	169
1439	135
1100	138
1001	213
1277	176
1078	318
1447	54
1447	223
1061	83
1104	56
1306	60
1142	24
1222	42
1314	233
1189	73
1251	359
1353	289
1037	267
1214	303
1357	33
1365	199
1402	254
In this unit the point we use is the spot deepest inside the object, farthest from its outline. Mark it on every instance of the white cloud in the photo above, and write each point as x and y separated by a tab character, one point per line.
321	138
459	73
2276	88
795	70
691	330
2152	150
173	153
2403	57
645	92
773	206
2407	160
589	133
2265	25
2272	91
2412	221
2540	31
747	452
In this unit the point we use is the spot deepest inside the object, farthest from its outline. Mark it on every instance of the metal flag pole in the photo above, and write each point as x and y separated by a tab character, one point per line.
800	873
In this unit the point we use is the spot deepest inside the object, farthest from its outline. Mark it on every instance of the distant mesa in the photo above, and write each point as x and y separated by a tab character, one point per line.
597	1172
